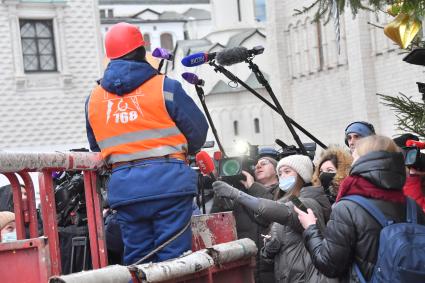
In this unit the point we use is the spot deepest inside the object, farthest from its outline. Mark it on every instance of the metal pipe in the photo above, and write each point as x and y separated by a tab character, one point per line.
109	274
15	162
167	270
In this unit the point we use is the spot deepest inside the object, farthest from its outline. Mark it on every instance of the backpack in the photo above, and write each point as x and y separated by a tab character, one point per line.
401	251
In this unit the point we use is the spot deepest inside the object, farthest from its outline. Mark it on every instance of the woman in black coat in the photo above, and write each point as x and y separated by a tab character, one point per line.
352	234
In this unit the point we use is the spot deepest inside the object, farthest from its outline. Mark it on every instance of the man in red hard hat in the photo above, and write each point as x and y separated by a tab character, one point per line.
144	124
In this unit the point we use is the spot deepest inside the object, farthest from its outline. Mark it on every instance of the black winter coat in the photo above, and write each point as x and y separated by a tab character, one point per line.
352	234
285	248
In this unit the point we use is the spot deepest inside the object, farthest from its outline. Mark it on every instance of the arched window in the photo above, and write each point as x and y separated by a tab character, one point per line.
256	125
147	39
167	41
235	128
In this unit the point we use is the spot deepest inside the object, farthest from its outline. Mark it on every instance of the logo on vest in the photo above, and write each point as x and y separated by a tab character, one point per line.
123	113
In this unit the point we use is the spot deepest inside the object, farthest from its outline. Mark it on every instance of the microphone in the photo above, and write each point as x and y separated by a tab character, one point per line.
162	53
197	59
193	79
418	144
205	164
236	55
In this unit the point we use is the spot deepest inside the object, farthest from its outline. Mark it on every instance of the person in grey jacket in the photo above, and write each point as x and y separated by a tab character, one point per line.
284	245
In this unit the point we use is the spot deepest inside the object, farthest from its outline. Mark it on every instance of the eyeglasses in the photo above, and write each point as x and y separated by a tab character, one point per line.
263	162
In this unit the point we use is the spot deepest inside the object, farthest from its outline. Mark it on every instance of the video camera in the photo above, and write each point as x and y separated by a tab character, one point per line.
417	57
230	168
292	149
413	157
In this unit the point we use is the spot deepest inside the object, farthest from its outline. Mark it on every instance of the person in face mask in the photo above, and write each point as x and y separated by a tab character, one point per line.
283	246
333	166
7	226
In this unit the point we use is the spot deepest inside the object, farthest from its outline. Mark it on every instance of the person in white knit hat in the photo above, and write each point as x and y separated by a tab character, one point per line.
294	172
7	226
284	244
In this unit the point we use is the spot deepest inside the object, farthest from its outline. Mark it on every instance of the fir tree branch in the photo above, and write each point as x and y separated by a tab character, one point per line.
410	114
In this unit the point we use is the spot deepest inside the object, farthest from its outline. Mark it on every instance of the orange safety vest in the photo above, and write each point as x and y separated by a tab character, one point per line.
136	125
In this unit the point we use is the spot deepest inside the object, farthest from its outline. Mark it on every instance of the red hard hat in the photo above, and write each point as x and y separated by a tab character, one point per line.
121	39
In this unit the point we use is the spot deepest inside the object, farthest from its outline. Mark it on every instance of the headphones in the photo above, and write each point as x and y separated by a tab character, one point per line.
368	125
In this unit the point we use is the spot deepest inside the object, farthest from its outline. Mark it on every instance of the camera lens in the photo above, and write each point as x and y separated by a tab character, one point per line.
231	167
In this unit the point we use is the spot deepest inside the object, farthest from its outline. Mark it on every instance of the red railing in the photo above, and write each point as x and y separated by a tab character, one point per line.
37	258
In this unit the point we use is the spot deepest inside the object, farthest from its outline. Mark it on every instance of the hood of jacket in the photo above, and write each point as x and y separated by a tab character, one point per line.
383	169
316	193
124	76
344	161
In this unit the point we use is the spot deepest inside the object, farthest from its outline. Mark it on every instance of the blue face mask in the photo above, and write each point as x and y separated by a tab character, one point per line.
8	237
287	184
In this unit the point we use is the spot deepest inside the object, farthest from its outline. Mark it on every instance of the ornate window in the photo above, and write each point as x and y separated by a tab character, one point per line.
38	46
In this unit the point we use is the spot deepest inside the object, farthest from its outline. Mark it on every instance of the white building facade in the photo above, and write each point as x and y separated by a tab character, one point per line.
325	90
51	55
162	22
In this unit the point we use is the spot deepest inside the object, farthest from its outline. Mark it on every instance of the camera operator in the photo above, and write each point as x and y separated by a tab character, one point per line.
415	181
248	225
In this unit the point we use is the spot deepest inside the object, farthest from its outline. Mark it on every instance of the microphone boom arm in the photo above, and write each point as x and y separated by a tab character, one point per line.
232	77
263	81
201	96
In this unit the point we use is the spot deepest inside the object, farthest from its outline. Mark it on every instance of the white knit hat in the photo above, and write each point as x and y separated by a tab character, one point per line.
5	218
300	163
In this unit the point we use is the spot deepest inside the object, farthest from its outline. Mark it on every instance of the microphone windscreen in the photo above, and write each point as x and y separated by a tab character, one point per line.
194	59
162	53
190	78
232	56
204	162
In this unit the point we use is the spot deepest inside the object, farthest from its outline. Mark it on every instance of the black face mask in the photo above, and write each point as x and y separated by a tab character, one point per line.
326	179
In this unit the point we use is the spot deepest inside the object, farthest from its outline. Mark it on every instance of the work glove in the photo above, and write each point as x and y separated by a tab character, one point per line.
224	190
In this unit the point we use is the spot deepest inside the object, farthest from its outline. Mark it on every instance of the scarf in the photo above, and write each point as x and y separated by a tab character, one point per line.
356	185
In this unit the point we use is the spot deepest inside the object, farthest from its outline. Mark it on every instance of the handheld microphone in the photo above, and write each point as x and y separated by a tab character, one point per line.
197	59
236	55
205	164
162	53
420	145
193	79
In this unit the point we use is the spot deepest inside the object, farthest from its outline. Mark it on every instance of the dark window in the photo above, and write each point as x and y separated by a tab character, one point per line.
110	13
256	125
38	45
320	45
260	10
147	39
167	41
235	128
102	14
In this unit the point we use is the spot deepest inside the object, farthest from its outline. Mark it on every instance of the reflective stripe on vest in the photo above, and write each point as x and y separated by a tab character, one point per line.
136	125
